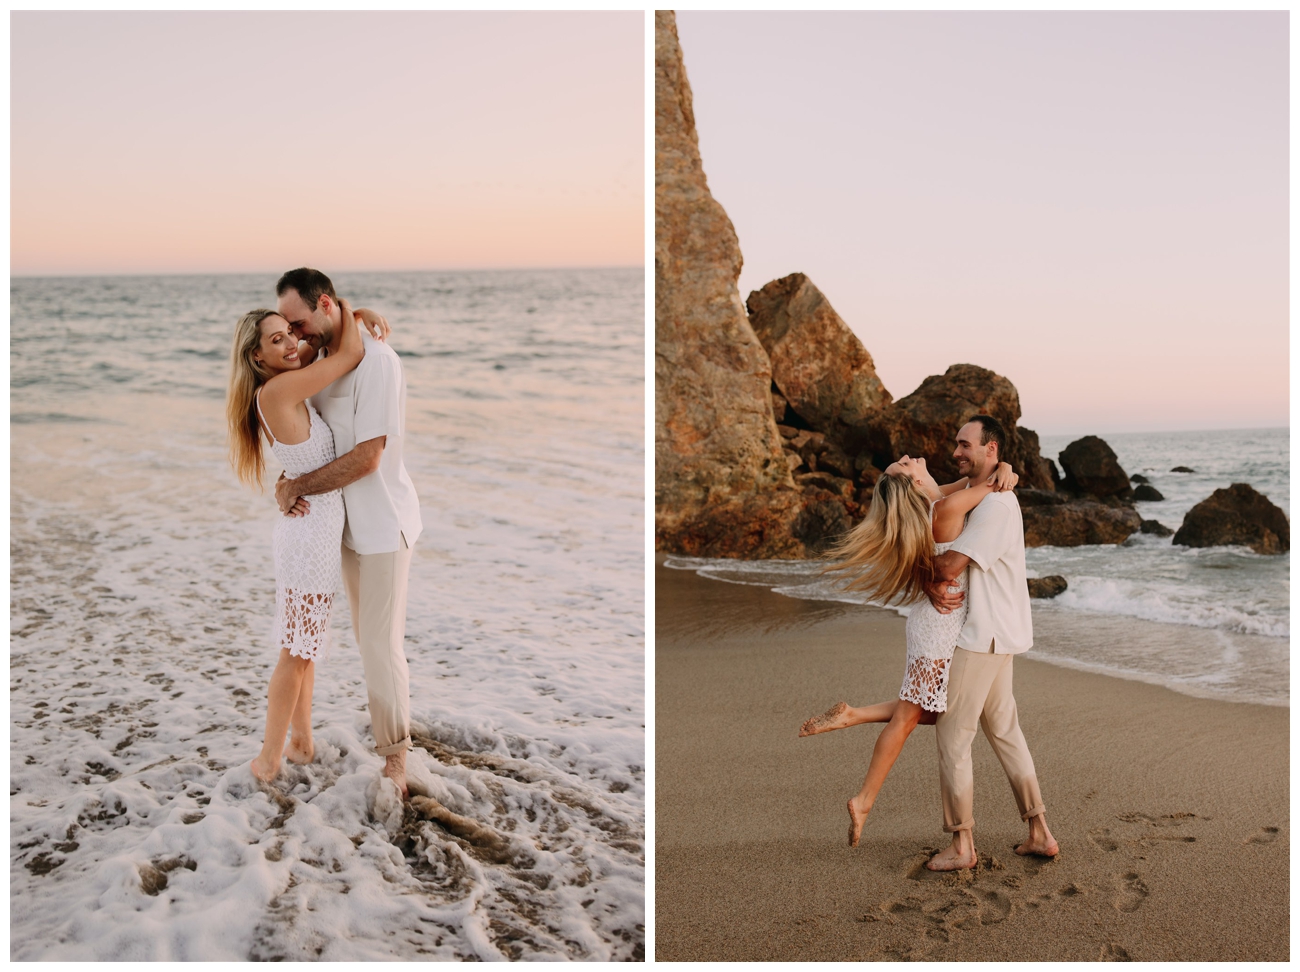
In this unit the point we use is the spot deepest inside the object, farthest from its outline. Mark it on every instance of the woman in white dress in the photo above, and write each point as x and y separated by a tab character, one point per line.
271	377
911	520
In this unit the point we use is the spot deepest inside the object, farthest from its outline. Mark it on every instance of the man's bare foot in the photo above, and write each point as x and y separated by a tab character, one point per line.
395	770
856	819
832	718
1042	847
950	859
300	754
265	771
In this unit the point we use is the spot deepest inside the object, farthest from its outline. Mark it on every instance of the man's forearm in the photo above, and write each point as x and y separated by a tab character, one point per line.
948	565
343	471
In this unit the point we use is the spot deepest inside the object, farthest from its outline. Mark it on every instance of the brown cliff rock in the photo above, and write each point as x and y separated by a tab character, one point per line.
722	482
1056	520
925	423
1236	515
1091	468
819	365
1048	586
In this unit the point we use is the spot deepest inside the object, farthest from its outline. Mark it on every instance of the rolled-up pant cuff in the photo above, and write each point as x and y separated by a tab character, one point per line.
398	747
1033	812
964	825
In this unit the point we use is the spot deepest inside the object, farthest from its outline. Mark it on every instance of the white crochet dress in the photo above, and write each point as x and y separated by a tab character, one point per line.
931	638
306	548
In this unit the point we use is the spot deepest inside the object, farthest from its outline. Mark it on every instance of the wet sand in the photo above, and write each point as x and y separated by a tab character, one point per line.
1172	812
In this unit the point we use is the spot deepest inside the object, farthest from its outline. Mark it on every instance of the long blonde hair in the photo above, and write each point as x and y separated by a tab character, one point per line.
892	549
246	375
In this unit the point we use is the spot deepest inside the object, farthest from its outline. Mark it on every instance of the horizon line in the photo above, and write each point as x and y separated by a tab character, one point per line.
247	273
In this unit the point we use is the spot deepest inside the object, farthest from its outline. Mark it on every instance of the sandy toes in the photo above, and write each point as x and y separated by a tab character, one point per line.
832	718
856	820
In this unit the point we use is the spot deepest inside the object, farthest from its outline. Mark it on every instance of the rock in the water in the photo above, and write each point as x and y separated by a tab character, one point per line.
819	365
1238	515
1147	493
926	422
1047	586
1156	528
722	482
1074	522
1182	469
1091	468
1138	478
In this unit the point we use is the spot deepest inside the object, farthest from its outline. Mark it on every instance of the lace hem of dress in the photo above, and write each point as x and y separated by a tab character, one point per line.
302	622
926	683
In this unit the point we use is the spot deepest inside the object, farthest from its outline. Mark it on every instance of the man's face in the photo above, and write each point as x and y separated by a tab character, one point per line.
307	324
973	459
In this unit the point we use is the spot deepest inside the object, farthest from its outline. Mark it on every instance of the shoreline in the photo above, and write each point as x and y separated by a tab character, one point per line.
1064	637
1173	846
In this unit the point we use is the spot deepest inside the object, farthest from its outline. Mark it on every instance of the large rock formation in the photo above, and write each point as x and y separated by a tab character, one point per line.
1059	520
819	366
1091	468
925	423
722	484
1236	515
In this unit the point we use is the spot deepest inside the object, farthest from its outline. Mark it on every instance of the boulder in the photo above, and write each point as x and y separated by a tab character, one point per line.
1074	522
722	483
1138	478
1156	528
1182	469
1147	493
779	405
823	518
818	364
1091	468
1238	515
1047	586
925	423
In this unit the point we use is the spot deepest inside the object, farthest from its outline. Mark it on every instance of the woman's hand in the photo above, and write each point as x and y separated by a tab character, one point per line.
1003	478
376	324
351	342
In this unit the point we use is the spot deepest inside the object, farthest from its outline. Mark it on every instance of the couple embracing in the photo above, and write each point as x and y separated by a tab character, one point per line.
329	400
935	545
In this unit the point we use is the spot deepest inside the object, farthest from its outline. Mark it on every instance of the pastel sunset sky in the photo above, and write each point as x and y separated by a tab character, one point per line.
168	142
1094	205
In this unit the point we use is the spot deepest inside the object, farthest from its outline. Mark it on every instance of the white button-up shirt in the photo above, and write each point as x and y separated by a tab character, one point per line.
998	592
367	402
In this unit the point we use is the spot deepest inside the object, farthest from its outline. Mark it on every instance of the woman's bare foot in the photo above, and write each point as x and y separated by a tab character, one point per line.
300	754
265	771
856	819
832	718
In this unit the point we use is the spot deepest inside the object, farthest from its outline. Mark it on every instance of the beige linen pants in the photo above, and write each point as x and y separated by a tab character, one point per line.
979	694
376	586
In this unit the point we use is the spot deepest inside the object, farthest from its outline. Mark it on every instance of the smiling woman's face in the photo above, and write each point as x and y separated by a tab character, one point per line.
278	349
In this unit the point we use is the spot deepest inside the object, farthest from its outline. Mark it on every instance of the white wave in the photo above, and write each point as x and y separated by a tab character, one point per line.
1168	604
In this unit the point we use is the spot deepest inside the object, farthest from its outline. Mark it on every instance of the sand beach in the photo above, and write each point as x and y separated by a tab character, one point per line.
1171	811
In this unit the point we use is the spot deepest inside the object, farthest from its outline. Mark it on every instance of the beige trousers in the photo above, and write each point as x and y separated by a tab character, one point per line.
979	694
376	586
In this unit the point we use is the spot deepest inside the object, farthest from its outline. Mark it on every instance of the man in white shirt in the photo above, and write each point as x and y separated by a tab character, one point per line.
997	628
366	411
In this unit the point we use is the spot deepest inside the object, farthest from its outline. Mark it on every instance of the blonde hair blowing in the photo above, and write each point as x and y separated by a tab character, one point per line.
246	376
892	550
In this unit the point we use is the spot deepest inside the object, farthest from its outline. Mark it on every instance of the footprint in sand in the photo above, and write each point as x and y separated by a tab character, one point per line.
1132	892
1070	890
1102	838
994	905
1110	952
1265	835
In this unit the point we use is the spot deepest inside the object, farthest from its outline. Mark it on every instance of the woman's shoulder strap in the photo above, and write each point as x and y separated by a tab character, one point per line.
257	398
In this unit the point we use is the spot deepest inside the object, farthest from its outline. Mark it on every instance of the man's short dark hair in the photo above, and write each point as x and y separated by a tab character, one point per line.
992	429
309	283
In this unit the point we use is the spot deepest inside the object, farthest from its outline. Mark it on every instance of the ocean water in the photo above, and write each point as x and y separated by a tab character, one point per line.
142	598
1211	622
